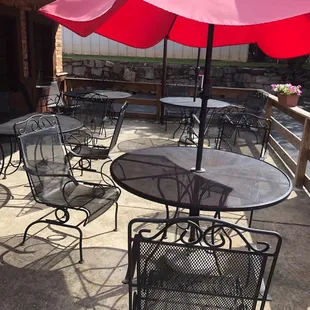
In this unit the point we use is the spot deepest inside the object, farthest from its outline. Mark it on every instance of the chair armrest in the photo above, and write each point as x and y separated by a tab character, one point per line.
62	175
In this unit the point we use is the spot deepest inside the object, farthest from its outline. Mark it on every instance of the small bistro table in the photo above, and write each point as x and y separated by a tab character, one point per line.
67	124
231	182
189	108
110	95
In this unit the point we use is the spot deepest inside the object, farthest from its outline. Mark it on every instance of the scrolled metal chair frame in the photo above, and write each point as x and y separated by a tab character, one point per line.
147	255
38	123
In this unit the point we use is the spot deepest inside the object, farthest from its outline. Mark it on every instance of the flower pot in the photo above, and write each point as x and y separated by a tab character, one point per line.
288	100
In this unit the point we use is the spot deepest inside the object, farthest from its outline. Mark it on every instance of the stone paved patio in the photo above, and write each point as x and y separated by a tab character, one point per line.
44	273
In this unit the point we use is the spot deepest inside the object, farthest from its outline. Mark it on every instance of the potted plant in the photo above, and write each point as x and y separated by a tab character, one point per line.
288	94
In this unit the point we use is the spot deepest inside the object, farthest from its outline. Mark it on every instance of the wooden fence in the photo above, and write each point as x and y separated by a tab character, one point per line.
153	91
98	45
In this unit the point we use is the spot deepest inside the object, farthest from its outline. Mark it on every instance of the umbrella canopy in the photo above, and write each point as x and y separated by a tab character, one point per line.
279	27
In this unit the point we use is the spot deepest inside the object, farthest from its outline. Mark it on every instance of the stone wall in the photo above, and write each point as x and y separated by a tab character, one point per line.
232	76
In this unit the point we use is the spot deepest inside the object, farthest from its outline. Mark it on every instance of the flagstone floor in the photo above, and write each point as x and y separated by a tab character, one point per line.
45	273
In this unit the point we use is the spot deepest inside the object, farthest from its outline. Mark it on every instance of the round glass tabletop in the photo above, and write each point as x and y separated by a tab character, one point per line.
231	182
188	102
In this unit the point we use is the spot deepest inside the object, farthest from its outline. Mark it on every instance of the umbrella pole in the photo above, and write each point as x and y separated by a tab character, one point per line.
163	79
197	74
205	95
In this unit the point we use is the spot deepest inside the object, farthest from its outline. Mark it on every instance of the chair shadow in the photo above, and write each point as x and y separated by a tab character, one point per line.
141	143
5	195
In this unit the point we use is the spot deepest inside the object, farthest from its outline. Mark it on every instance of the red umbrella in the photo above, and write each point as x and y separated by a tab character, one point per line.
139	24
279	27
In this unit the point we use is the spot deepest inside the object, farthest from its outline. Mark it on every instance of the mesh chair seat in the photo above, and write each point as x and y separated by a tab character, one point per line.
92	197
91	152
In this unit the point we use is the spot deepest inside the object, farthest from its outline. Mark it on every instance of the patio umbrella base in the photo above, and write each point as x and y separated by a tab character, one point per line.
198	171
188	140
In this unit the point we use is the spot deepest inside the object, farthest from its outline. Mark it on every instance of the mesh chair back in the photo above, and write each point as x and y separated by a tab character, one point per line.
91	109
218	268
118	126
214	123
44	155
255	102
252	129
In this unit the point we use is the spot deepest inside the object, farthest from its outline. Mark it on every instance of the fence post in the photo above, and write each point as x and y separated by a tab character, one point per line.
158	104
268	108
303	155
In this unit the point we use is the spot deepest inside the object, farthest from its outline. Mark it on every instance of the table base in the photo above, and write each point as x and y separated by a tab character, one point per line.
9	166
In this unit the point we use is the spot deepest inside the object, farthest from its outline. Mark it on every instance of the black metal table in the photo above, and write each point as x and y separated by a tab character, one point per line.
231	182
189	108
67	124
110	94
89	94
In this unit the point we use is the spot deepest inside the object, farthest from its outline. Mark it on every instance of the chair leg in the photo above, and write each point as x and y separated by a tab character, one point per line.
115	218
58	224
180	124
80	244
166	122
28	227
251	218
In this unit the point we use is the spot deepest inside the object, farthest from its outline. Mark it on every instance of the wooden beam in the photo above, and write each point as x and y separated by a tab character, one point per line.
285	133
283	155
269	108
303	155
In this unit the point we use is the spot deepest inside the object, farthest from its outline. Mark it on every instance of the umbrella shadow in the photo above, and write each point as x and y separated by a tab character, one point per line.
141	143
58	281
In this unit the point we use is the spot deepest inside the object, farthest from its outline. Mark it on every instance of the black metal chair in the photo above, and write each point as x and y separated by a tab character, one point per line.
52	100
51	180
255	103
247	131
88	149
175	112
91	110
244	129
220	268
213	125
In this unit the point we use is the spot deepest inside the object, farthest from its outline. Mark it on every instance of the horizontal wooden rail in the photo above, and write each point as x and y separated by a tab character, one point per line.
284	156
285	133
299	168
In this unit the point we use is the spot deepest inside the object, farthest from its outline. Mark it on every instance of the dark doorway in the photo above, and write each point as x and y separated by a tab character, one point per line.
9	62
43	51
